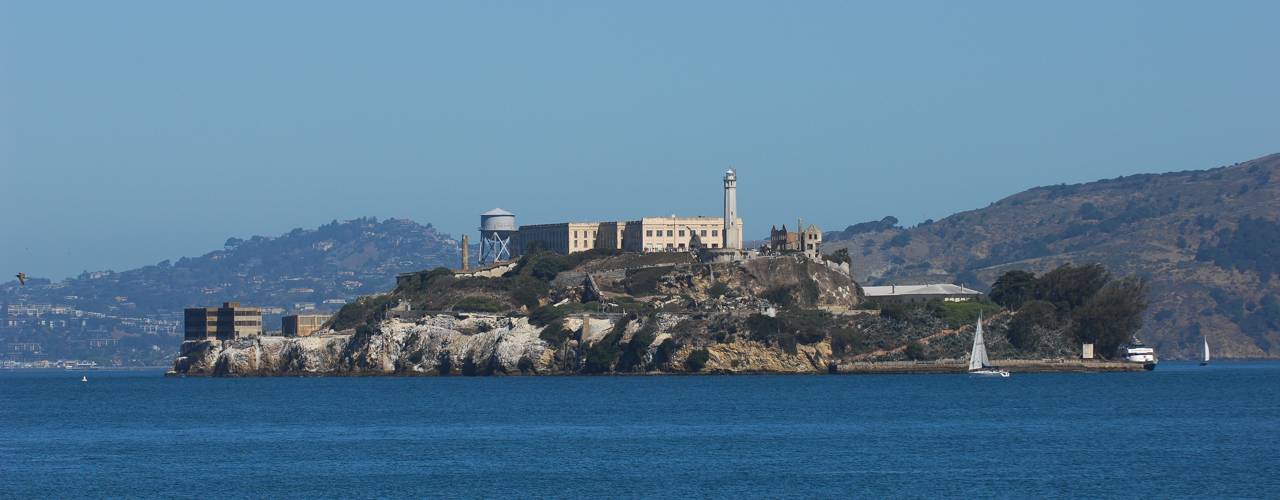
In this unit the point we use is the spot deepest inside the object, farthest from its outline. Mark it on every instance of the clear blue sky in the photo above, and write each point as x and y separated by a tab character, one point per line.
133	132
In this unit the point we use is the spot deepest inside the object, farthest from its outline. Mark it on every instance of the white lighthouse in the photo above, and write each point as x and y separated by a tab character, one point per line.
732	233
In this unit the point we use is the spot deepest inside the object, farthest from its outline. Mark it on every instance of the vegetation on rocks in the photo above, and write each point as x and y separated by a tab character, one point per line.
1086	301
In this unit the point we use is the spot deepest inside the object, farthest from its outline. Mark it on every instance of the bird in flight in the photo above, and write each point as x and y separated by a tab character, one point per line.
22	278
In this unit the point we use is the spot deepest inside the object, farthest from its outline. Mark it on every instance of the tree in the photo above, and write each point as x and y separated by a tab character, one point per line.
914	350
547	265
1014	288
839	256
1072	286
1111	316
1032	314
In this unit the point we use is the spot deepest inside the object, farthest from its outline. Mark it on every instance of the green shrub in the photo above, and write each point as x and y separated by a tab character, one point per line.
807	337
787	341
915	350
697	360
555	333
895	312
809	288
547	265
475	303
601	356
545	315
526	296
633	355
780	295
351	315
764	328
839	256
845	340
718	289
645	281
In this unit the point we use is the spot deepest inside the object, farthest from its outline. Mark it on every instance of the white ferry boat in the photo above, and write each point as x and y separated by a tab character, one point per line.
1138	353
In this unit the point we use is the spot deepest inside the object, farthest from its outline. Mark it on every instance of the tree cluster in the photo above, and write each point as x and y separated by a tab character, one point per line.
885	224
1086	302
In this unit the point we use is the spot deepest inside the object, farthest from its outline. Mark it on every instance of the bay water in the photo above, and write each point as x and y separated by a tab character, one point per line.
1180	431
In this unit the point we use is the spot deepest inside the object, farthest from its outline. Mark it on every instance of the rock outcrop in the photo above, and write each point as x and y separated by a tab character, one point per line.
480	345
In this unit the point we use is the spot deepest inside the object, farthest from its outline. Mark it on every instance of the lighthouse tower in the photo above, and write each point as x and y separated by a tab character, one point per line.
732	233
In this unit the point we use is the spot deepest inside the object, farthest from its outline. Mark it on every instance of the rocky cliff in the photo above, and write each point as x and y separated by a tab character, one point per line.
669	317
481	345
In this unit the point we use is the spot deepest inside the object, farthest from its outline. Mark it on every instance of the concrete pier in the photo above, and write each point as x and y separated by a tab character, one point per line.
1013	365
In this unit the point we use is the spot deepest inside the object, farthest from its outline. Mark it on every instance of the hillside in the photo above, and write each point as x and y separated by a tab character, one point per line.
302	270
1195	235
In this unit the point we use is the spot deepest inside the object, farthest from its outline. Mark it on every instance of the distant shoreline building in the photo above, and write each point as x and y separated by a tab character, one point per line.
229	322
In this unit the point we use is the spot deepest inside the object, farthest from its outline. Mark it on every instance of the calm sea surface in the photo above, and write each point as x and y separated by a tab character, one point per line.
1181	431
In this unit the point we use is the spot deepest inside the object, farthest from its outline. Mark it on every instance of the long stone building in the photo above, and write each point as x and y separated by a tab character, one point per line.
650	234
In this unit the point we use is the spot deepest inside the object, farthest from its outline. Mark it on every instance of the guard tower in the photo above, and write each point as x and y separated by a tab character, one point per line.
496	228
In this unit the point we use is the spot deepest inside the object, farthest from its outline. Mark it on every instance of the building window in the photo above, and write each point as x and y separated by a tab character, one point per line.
704	232
648	232
715	245
669	245
575	234
681	232
575	243
715	232
668	232
682	246
811	246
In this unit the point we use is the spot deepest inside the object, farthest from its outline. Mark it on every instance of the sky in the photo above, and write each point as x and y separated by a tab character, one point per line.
135	132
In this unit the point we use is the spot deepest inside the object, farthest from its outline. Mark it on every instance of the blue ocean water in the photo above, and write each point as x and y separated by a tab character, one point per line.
1180	431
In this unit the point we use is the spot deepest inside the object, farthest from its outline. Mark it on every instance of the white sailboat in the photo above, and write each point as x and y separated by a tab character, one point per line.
978	362
1206	351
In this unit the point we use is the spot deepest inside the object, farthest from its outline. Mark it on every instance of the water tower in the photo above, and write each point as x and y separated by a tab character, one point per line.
496	228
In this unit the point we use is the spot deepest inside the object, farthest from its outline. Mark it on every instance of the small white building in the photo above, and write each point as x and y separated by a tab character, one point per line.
907	294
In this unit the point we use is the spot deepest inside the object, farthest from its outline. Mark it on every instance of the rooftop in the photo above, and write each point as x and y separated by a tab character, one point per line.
937	289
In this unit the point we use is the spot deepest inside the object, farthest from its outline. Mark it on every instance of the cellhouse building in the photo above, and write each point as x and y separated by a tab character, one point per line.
648	234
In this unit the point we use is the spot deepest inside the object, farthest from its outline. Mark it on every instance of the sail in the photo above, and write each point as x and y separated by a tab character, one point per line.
1206	350
978	358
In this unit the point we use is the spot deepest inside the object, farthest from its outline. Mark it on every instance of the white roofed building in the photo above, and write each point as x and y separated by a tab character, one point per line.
907	294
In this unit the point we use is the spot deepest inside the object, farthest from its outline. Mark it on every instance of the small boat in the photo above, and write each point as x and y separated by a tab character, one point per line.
978	362
1206	351
84	379
1137	353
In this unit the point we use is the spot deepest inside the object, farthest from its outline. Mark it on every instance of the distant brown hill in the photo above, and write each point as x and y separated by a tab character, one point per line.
1195	235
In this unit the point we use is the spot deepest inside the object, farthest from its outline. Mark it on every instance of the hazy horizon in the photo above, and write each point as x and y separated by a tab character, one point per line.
132	132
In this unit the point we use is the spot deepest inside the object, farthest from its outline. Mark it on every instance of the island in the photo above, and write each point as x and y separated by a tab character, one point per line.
606	311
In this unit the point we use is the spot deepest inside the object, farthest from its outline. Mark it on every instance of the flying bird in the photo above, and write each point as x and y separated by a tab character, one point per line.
22	278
